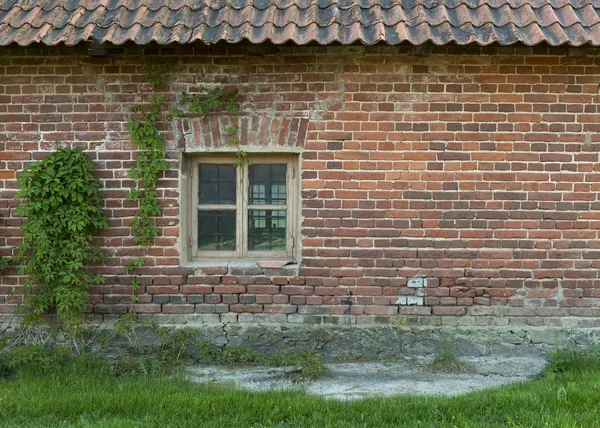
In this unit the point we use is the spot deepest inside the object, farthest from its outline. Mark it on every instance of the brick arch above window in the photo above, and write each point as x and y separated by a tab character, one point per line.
210	133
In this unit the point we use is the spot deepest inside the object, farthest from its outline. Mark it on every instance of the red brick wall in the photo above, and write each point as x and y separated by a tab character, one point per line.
476	168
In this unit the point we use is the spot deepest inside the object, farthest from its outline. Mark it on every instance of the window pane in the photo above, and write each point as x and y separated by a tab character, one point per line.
267	230
216	230
217	184
267	184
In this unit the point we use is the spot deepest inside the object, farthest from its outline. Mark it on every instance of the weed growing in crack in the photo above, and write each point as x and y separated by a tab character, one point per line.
308	366
446	361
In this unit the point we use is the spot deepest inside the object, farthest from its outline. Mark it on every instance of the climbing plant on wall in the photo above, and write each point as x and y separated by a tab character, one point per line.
63	208
150	162
3	263
206	101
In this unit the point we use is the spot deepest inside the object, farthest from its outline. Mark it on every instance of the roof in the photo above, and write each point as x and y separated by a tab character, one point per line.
556	22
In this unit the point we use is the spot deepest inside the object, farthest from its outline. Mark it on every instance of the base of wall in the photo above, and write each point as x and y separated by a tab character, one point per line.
377	341
349	342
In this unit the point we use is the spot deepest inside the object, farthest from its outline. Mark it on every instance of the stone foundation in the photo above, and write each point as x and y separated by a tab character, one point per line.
371	342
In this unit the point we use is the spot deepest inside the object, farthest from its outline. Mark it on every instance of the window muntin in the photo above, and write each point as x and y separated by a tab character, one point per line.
248	212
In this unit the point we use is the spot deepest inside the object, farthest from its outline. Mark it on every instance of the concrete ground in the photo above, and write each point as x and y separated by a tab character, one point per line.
355	380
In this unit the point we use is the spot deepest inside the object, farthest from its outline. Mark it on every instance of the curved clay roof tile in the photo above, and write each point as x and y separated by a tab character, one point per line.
556	22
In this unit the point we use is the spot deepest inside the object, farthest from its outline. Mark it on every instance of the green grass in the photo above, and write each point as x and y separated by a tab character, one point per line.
86	393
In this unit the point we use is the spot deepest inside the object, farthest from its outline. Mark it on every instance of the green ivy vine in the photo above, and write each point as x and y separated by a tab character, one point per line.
3	262
151	164
63	208
203	103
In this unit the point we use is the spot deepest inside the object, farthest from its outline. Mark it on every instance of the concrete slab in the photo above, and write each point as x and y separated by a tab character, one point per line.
370	379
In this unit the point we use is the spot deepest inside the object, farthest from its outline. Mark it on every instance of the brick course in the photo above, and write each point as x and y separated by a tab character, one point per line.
476	168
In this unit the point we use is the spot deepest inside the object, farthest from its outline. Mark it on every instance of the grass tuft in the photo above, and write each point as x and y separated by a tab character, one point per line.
446	361
568	359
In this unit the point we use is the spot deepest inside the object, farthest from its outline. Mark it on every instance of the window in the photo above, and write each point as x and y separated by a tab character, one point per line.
248	212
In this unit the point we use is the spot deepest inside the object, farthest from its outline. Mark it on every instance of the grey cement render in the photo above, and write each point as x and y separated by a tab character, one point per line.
371	341
376	342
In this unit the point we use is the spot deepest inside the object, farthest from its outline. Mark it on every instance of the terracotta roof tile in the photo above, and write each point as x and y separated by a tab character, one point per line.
557	22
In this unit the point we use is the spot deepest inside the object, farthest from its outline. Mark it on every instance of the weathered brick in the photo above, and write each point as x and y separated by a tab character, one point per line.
229	289
196	289
486	188
281	309
448	310
177	309
146	308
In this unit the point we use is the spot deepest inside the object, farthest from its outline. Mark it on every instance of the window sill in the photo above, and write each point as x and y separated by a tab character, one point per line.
258	267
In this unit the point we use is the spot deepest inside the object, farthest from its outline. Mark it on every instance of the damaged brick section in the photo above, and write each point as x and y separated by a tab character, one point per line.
459	188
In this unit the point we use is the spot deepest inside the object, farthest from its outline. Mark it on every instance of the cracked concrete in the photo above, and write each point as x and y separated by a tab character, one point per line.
226	333
357	380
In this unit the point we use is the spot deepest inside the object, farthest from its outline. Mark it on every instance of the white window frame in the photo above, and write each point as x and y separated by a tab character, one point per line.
242	208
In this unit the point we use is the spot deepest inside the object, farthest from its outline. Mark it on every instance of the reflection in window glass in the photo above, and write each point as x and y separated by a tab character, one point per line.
267	230
216	230
217	184
267	184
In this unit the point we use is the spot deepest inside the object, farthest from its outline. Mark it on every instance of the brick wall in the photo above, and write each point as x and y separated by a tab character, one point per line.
458	188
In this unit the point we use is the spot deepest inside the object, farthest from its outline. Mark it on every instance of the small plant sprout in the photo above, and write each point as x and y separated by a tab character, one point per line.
446	361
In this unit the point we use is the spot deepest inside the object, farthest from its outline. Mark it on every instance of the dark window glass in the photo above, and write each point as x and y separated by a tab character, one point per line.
267	184
217	184
216	230
267	230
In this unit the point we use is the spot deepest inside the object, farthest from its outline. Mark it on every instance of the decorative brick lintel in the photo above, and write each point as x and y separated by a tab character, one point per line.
265	131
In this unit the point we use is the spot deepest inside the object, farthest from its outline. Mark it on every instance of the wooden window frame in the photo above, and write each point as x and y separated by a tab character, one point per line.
242	208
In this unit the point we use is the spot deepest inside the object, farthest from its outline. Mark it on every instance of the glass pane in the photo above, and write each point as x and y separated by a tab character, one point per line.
267	184
266	230
216	230
217	184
